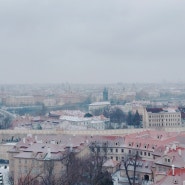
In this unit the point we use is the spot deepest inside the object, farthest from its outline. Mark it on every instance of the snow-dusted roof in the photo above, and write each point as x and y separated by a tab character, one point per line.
100	103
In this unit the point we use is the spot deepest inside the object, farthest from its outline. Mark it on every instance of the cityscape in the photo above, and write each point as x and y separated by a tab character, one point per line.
133	128
92	92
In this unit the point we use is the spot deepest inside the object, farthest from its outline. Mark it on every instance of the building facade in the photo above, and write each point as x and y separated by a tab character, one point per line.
161	118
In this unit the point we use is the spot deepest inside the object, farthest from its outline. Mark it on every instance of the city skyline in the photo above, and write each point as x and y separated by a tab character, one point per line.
98	42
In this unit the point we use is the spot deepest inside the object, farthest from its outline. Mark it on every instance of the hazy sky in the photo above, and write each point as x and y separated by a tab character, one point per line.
92	41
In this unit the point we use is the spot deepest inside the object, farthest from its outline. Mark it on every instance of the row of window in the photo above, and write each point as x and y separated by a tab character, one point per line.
164	116
161	120
167	124
116	150
117	158
141	153
139	145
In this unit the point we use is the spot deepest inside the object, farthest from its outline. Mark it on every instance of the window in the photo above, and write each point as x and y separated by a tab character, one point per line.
129	152
145	153
141	153
111	150
169	160
116	158
116	150
122	150
111	157
148	153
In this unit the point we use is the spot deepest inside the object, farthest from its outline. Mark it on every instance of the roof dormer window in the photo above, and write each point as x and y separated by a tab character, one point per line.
175	181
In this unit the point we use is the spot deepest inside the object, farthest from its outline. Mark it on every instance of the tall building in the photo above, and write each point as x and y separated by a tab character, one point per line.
105	94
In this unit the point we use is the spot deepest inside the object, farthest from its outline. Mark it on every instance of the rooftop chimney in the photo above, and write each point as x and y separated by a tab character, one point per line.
173	169
179	152
71	147
49	152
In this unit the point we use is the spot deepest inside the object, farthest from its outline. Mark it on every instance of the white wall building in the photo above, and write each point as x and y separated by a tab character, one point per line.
98	105
159	117
96	122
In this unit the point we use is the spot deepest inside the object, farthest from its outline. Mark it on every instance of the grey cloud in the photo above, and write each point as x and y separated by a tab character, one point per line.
91	41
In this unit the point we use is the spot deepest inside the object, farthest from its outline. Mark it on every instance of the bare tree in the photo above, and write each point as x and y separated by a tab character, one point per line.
75	170
131	160
49	177
29	178
97	158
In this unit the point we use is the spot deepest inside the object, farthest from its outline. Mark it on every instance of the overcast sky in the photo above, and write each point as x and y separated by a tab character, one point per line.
92	41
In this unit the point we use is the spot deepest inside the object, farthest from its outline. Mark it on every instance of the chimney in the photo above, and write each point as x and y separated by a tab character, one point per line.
49	152
53	142
179	152
166	151
24	140
71	147
173	169
29	135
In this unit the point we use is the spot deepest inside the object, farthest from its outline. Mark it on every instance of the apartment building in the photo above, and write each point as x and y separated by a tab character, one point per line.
32	155
161	118
19	100
157	152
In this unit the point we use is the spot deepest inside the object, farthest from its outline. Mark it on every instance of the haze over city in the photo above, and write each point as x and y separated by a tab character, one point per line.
92	41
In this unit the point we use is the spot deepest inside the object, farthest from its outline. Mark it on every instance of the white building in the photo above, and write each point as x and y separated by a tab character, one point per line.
160	117
98	106
95	122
